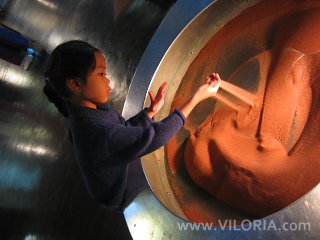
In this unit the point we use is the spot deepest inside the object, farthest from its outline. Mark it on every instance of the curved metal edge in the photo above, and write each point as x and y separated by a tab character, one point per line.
164	37
172	25
157	178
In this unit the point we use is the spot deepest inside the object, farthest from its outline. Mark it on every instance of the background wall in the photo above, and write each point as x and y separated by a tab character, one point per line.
42	194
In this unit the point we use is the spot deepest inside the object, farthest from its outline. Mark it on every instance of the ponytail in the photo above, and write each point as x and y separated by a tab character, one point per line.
55	99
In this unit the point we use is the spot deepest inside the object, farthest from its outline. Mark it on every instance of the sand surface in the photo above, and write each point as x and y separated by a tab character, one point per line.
260	159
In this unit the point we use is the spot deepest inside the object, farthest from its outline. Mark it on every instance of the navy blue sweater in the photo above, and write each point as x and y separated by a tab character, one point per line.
104	145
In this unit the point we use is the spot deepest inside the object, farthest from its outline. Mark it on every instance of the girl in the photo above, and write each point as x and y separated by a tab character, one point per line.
103	141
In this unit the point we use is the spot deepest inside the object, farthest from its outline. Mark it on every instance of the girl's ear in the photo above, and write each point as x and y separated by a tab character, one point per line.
73	85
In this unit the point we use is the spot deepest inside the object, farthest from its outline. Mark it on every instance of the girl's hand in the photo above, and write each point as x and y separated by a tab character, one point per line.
156	101
208	89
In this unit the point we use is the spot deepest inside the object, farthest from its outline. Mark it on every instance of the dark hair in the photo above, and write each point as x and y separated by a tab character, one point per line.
70	60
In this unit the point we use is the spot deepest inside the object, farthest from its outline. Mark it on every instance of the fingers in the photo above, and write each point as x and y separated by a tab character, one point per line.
214	76
217	76
213	79
162	89
163	92
152	97
160	94
163	85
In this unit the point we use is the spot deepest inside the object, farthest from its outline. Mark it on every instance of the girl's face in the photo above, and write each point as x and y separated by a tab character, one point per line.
96	90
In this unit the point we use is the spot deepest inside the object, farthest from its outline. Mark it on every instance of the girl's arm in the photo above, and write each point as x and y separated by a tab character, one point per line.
137	141
141	119
207	90
144	118
127	143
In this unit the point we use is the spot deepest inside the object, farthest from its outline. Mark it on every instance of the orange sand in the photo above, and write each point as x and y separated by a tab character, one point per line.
260	159
261	169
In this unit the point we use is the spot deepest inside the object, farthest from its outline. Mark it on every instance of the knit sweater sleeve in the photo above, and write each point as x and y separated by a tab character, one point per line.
129	143
141	119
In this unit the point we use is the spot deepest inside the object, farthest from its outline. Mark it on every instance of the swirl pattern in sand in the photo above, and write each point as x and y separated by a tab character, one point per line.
260	159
